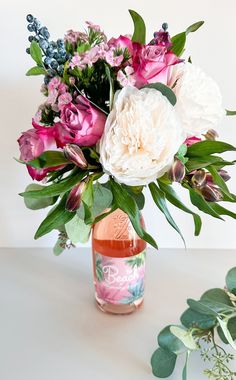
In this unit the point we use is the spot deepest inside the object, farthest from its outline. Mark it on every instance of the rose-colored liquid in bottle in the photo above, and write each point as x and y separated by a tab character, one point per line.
119	264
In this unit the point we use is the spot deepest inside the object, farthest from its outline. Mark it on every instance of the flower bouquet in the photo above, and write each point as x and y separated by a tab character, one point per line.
135	111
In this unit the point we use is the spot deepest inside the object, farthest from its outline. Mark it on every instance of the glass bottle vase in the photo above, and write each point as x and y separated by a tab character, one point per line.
118	263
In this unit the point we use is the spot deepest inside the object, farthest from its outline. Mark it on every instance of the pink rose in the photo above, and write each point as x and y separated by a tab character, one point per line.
122	43
80	123
152	63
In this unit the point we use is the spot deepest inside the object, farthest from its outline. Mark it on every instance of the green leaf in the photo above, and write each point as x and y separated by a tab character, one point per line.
58	249
194	27
202	162
58	217
165	90
77	230
230	113
224	326
103	215
185	336
191	318
201	308
184	373
198	201
126	203
102	199
57	188
36	53
204	148
172	197
231	280
170	342
36	204
210	307
137	195
49	159
178	43
139	34
222	210
159	198
218	180
217	295
163	363
36	70
231	326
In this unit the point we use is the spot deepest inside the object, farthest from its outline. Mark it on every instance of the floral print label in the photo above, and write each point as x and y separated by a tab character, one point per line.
120	280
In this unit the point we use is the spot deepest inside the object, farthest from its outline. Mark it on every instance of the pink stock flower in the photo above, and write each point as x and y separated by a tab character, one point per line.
113	59
126	77
80	123
191	140
64	99
55	89
73	37
94	27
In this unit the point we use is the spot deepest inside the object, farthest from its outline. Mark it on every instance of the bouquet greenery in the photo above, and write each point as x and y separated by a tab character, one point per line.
136	112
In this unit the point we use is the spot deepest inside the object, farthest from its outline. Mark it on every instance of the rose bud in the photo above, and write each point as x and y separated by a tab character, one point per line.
74	199
211	135
74	154
199	178
177	171
211	193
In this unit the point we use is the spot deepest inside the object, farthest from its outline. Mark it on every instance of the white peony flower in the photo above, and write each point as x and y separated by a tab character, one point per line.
199	101
142	134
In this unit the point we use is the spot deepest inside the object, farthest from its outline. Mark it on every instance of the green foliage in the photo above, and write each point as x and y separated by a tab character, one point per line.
231	280
77	230
124	201
36	204
207	147
49	159
230	113
139	34
165	90
214	312
179	40
36	53
36	70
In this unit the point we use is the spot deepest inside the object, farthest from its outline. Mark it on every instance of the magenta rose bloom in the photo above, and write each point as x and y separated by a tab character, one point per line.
152	63
81	124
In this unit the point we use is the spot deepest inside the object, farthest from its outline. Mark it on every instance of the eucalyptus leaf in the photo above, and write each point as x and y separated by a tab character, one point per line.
165	90
48	159
231	326
56	188
36	204
163	363
102	199
36	53
139	34
231	280
58	249
77	230
217	295
159	198
201	308
58	217
191	318
224	326
36	70
207	147
168	341
173	198
184	336
184	373
124	201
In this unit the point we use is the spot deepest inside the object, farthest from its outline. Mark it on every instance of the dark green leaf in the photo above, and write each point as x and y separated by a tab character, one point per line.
126	203
232	329
191	318
201	308
198	201
204	148
170	342
137	195
36	53
178	43
57	188
159	198
209	307
217	295
202	162
139	34
218	180
184	373
163	363
173	198
36	204
231	280
222	210
36	70
49	159
166	91
194	27
58	217
230	113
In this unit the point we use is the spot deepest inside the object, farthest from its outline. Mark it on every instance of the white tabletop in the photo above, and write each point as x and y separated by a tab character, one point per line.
50	328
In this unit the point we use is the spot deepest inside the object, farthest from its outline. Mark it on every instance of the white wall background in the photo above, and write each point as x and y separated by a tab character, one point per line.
213	48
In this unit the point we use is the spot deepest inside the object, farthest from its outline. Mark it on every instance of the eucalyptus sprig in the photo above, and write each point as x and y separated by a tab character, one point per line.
203	324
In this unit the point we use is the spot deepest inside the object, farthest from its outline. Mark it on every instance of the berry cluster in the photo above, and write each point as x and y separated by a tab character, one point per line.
54	53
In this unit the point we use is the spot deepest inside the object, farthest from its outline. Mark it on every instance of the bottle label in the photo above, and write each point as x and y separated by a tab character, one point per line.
119	280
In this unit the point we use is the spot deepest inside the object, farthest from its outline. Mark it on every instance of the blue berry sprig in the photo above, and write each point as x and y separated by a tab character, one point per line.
54	53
